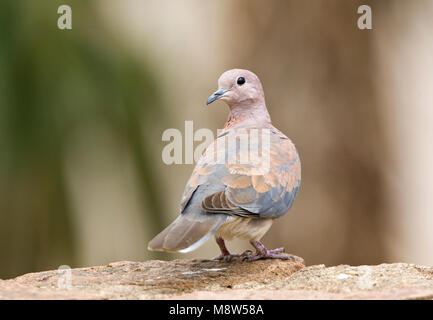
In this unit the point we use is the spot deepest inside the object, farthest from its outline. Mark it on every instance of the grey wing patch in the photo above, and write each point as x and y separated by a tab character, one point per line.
186	197
271	204
218	203
271	194
242	189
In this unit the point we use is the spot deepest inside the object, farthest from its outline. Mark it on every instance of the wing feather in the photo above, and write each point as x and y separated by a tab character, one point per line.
249	190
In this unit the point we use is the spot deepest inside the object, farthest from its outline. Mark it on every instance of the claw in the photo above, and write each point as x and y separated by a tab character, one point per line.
247	253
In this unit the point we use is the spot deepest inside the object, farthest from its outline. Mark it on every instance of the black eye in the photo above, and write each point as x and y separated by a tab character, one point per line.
240	81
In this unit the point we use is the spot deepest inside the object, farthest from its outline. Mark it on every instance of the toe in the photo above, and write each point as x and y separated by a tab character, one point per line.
278	250
283	256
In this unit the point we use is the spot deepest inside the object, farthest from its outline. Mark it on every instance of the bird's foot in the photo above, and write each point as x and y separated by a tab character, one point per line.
269	255
263	253
225	255
230	257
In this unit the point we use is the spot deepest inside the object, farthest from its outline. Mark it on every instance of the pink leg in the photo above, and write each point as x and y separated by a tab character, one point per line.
225	254
263	253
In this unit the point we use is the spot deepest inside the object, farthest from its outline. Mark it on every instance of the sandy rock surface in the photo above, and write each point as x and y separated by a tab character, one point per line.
203	279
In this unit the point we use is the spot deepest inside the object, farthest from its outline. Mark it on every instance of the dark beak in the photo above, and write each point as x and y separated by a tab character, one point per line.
216	95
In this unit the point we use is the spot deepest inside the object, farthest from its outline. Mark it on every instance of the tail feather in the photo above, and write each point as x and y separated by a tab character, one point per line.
186	233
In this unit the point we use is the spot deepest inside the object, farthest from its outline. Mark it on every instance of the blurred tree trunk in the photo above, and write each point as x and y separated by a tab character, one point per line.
318	68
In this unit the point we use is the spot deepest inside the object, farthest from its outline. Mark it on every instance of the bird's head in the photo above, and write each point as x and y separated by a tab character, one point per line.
238	87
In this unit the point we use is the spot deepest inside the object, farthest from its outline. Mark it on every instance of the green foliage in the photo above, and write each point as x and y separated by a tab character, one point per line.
54	83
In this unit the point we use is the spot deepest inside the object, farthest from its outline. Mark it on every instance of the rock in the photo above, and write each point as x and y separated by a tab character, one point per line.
204	279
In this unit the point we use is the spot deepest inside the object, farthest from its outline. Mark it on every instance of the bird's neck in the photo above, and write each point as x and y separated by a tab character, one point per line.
251	115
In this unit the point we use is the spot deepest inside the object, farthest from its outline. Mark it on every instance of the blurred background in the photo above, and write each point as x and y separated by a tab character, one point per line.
82	113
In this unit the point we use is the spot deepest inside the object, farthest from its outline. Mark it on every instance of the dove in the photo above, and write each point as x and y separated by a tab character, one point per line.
233	192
